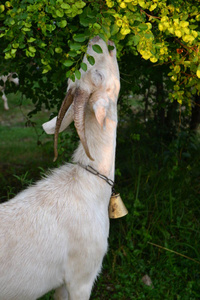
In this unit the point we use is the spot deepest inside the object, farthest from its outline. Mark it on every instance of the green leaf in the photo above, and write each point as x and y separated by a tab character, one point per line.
198	71
7	55
68	73
8	48
136	39
2	8
97	26
60	13
110	48
195	59
79	37
44	62
26	29
148	35
50	27
78	74
13	51
84	66
26	24
41	44
72	53
72	77
106	29
114	29
68	63
21	46
91	59
32	49
80	4
85	22
143	26
58	50
97	48
15	45
75	46
31	40
65	6
103	37
46	69
90	13
62	24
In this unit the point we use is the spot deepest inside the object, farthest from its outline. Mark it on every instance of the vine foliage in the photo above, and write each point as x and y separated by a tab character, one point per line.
45	40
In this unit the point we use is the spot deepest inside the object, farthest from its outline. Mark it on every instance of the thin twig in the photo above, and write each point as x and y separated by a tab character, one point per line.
161	247
125	80
148	15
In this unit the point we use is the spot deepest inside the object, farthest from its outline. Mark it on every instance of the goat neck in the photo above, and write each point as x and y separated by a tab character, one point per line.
101	142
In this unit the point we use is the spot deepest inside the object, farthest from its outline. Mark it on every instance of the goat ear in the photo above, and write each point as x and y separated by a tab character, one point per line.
49	127
100	110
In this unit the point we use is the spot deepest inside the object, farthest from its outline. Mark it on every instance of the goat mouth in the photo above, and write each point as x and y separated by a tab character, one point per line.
80	98
95	39
111	43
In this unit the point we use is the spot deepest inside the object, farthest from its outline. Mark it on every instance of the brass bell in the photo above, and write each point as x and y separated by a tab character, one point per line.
117	209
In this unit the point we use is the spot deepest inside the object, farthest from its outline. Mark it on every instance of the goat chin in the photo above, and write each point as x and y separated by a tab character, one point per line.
53	235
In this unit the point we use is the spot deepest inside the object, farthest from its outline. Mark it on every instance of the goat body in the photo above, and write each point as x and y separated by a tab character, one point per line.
4	79
54	234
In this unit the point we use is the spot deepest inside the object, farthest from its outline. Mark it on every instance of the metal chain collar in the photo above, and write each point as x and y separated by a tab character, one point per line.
95	172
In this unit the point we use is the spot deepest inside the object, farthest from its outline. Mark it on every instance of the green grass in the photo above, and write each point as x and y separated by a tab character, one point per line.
23	144
159	181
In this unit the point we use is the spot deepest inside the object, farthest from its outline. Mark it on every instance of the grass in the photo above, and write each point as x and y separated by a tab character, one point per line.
23	144
159	181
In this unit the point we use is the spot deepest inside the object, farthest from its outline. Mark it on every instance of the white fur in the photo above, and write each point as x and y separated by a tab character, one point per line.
6	78
49	127
54	234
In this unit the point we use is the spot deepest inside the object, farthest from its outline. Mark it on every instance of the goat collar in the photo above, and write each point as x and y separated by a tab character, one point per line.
95	172
116	207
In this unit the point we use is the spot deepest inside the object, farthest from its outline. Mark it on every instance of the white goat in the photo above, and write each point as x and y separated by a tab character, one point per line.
54	234
6	78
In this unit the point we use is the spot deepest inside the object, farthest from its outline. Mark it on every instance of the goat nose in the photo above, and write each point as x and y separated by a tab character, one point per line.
110	43
95	39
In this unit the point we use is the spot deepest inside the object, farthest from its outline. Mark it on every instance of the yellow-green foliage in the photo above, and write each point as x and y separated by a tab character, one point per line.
57	33
164	32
